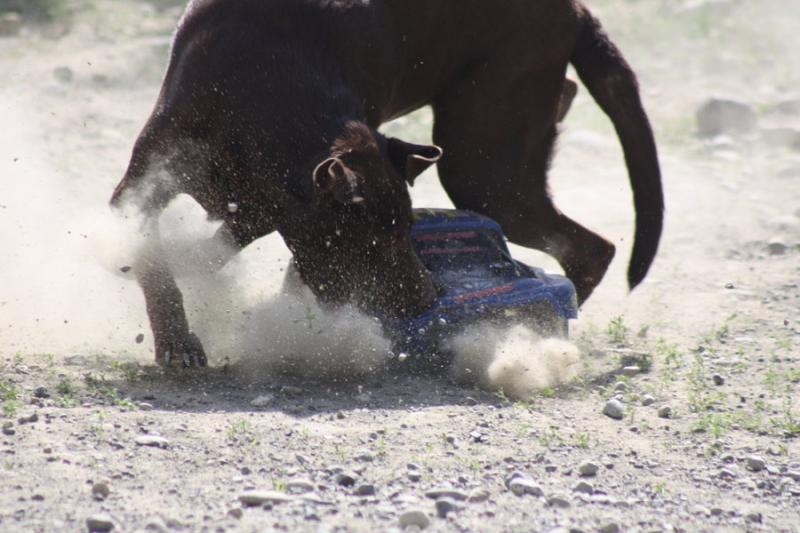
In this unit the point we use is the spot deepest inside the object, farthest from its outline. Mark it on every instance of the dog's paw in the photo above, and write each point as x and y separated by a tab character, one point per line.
186	351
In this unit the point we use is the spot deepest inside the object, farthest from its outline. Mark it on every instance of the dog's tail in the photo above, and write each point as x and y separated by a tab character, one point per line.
613	85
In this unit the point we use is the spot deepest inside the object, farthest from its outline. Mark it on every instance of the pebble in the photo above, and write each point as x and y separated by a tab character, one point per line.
364	456
345	479
41	392
413	517
776	248
236	513
719	116
614	409
665	412
512	476
588	469
755	463
261	401
478	496
100	490
28	419
260	497
366	489
727	473
648	400
631	371
299	486
414	477
558	501
8	429
611	527
444	506
523	486
447	492
584	488
794	474
718	380
152	440
99	523
754	517
620	386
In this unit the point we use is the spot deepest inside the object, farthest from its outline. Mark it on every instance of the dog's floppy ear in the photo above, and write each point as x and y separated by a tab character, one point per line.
411	160
335	180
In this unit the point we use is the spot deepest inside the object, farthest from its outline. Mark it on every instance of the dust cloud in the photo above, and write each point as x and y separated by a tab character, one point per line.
513	359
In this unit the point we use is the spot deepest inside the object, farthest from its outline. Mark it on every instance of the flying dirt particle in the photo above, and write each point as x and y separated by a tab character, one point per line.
139	338
512	359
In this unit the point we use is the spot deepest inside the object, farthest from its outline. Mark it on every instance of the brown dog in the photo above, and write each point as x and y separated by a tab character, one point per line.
268	117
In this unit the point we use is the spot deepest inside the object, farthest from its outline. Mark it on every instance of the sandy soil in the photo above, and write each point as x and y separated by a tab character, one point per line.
717	322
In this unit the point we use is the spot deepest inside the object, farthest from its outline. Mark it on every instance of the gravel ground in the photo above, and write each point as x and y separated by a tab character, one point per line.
685	416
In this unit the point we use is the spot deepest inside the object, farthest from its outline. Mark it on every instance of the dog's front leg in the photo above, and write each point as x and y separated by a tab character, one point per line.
174	341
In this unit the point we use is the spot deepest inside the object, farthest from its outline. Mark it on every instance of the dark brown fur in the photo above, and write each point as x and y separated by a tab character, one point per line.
274	105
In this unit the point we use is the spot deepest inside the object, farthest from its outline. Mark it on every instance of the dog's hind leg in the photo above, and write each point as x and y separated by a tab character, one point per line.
498	132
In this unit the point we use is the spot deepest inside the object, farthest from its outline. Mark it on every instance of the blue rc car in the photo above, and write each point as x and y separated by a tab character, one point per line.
477	280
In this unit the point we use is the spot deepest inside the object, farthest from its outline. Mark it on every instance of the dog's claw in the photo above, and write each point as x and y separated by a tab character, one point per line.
187	352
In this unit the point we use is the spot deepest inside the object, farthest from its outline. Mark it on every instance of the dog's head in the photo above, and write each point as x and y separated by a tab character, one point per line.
355	245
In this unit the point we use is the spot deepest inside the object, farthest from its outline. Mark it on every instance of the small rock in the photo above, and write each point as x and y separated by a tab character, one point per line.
99	523
447	492
260	497
631	371
236	513
609	528
364	456
522	486
620	386
414	477
366	489
100	490
614	409
478	496
648	400
262	400
794	474
754	517
139	338
665	412
718	380
413	518
41	392
8	429
476	436
152	440
755	463
290	390
721	116
512	476
588	469
776	248
727	473
583	487
444	506
345	479
299	486
28	419
558	501
10	24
